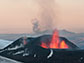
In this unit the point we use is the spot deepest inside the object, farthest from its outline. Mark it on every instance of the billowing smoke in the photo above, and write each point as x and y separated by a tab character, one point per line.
35	23
46	14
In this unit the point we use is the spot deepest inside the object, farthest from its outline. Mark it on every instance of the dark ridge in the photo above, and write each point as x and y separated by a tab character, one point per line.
32	52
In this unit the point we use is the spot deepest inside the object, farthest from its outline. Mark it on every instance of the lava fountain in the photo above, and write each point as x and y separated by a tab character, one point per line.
55	42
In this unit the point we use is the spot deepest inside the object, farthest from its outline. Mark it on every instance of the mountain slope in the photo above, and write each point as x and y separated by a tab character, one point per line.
4	43
28	50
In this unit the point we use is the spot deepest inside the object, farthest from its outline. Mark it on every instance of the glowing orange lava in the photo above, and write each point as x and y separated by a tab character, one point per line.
55	42
63	45
44	45
24	41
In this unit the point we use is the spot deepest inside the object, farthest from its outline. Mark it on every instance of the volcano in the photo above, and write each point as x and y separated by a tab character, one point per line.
44	49
29	50
56	42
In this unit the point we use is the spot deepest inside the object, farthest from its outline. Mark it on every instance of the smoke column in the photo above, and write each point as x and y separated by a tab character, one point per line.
35	23
46	14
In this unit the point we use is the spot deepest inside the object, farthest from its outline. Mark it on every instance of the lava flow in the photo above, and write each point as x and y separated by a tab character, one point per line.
24	41
55	42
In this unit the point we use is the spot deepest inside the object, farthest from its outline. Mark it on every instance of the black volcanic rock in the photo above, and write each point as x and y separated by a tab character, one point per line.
37	41
70	44
32	52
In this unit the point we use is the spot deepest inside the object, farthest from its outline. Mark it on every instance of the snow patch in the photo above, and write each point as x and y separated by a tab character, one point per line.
16	47
25	54
50	55
35	55
18	52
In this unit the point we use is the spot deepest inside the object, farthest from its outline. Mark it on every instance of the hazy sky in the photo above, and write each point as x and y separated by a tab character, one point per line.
16	15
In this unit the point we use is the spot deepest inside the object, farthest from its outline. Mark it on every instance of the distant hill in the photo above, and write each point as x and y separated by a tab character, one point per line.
12	37
4	43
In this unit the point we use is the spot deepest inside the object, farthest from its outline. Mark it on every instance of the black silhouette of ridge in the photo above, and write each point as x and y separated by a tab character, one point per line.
32	52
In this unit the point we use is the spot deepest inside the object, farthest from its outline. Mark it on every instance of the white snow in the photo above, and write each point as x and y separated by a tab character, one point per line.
2	51
16	47
25	54
51	53
19	52
81	58
4	43
34	55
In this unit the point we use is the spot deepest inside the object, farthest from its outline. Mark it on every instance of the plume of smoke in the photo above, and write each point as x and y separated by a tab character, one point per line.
46	16
35	23
46	13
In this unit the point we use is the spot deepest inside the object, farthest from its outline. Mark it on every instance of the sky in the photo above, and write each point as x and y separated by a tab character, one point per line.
16	15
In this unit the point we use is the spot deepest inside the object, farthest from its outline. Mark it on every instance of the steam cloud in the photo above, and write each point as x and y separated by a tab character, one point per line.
35	23
46	15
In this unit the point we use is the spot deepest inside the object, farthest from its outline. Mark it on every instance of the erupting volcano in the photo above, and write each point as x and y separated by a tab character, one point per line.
55	42
44	49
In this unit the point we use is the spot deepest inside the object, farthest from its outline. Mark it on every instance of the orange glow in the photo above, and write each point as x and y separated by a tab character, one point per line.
55	40
63	45
24	41
44	45
55	43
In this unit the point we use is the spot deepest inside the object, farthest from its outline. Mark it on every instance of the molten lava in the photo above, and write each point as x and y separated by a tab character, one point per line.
24	41
63	45
55	42
44	45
